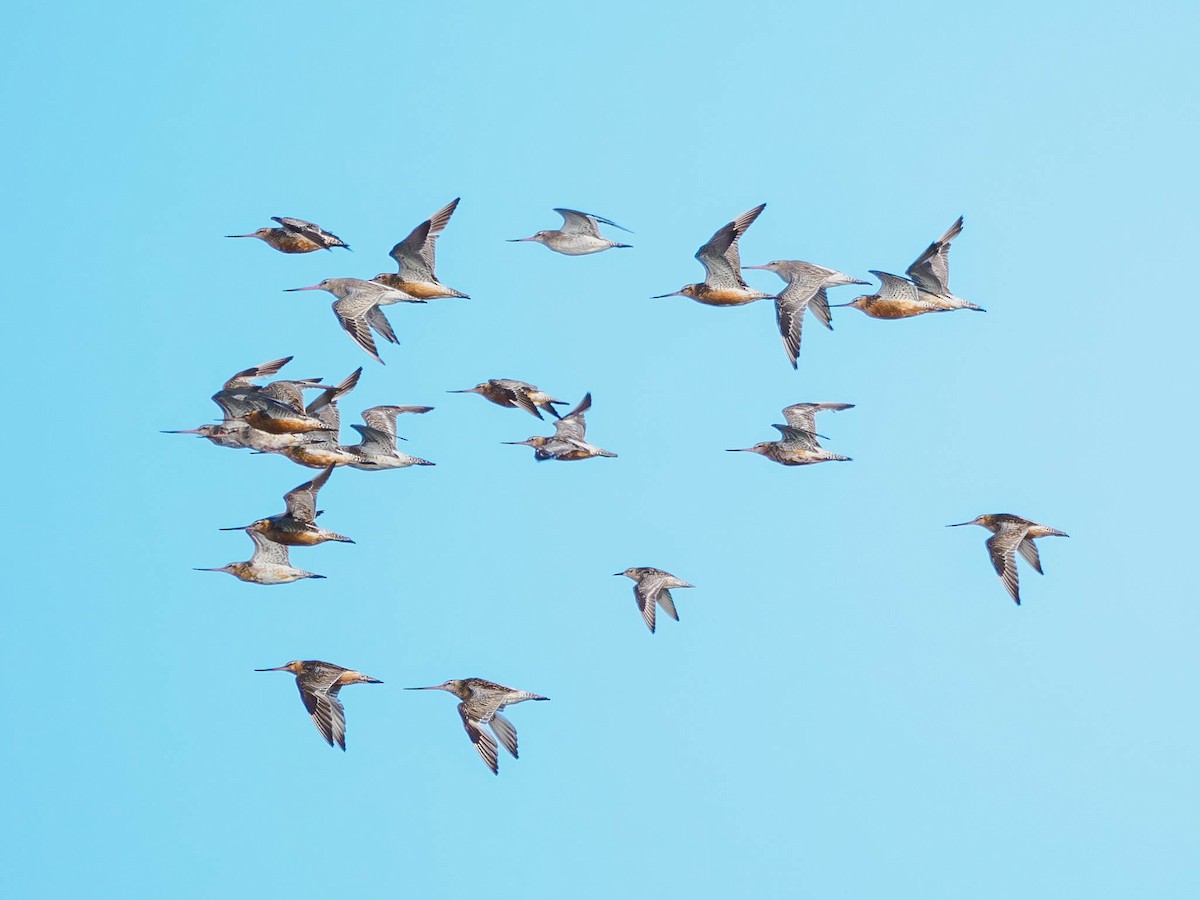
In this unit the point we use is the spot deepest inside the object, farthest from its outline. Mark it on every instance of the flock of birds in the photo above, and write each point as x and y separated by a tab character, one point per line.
274	418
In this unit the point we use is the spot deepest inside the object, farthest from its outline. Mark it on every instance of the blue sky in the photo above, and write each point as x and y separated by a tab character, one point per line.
850	706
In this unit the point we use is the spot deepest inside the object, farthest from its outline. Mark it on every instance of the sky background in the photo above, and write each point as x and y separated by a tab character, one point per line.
851	706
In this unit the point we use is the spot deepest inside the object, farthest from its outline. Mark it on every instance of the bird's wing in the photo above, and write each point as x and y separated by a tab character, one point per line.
646	604
573	426
789	434
376	441
790	305
326	709
576	222
931	270
415	255
893	287
354	313
1028	549
484	742
720	256
267	552
667	602
1002	548
302	501
819	305
520	398
310	230
243	378
505	731
377	320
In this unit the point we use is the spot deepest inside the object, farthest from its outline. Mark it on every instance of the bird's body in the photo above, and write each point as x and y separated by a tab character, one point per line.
723	284
926	290
1011	535
415	258
237	397
323	448
319	683
295	236
579	235
568	442
268	565
515	394
482	703
297	526
653	589
377	449
806	287
798	444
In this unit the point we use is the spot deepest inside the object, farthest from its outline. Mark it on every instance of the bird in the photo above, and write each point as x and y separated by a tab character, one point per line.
377	448
1011	535
579	235
415	257
265	439
653	589
723	284
806	286
482	702
927	291
319	683
230	432
798	445
515	394
297	527
568	442
296	236
358	311
268	565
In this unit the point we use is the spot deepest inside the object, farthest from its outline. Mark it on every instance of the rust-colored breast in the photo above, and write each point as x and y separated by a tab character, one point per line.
894	309
422	290
280	424
290	242
724	297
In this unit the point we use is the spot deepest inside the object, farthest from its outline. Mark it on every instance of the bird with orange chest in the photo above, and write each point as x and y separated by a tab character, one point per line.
723	284
415	258
1012	535
295	236
319	683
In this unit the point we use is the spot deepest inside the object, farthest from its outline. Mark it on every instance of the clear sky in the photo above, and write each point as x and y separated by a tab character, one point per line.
851	706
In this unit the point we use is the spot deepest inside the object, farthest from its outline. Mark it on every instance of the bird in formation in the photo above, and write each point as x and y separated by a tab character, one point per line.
723	284
269	564
297	527
295	236
798	444
319	683
516	395
568	442
579	235
415	258
653	588
482	703
1012	535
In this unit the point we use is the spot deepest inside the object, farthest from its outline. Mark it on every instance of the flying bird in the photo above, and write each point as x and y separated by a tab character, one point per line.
723	284
297	526
569	440
319	683
268	565
806	287
482	703
515	395
798	444
295	236
1012	535
358	311
579	235
927	291
415	257
377	448
653	588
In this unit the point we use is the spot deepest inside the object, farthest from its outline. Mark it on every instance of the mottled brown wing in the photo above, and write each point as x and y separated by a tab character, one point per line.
1002	548
893	287
244	377
1028	549
353	313
484	742
505	731
790	306
416	254
326	710
267	552
720	256
931	270
312	231
573	426
302	500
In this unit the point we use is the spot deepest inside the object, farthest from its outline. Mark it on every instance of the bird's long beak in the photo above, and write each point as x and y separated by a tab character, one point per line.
518	443
464	391
432	687
754	267
518	240
182	431
311	287
221	569
672	294
618	573
836	305
738	450
240	235
958	524
282	668
235	528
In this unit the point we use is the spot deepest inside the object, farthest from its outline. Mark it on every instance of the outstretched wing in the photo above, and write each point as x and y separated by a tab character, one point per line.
244	378
312	231
267	552
720	256
931	270
302	501
1002	547
354	313
484	743
893	287
790	305
415	255
326	709
576	222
